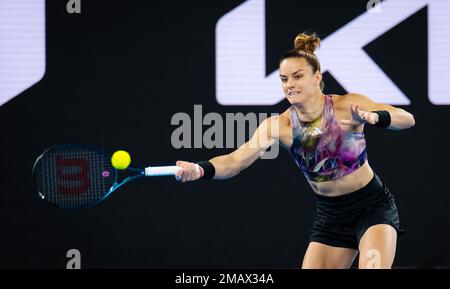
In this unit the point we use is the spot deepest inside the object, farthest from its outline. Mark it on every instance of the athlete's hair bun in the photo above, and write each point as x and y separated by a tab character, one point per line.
307	42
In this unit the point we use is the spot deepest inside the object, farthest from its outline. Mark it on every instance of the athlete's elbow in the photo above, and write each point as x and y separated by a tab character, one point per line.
411	120
403	120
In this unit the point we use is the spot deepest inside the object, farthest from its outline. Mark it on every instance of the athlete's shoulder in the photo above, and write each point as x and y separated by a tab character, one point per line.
345	100
280	120
285	117
352	97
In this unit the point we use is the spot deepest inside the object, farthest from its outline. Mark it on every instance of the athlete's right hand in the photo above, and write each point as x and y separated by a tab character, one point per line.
188	172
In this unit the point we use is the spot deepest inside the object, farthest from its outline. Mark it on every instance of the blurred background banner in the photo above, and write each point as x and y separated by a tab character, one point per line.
114	75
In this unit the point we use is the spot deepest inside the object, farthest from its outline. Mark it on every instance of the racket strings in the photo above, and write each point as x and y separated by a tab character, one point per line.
74	176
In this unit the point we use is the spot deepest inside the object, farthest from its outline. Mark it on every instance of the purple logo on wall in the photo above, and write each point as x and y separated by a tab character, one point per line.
22	46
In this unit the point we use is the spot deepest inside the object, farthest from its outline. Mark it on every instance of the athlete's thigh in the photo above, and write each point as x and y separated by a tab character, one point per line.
377	247
321	256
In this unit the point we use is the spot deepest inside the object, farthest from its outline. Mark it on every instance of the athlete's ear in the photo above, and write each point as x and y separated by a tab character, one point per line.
318	77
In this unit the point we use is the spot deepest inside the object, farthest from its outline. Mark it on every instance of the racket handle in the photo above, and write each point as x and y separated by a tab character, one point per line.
161	171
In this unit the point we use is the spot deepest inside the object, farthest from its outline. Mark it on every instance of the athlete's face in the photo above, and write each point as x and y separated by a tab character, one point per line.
298	80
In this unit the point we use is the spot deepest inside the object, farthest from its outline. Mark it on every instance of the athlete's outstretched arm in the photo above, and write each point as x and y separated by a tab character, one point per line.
229	165
361	107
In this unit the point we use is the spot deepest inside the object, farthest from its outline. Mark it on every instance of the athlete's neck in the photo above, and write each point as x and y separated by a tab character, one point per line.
312	108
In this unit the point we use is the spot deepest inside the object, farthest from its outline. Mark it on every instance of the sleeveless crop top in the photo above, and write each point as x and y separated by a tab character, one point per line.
322	150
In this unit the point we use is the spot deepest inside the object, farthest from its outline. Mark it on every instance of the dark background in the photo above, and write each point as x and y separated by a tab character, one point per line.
115	75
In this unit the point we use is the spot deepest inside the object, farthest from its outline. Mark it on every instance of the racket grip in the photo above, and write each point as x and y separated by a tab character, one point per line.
161	171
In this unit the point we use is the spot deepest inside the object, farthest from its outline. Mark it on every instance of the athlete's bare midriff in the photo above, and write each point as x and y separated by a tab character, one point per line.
341	186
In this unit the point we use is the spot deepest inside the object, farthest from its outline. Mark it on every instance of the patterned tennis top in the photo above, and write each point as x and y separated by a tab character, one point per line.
322	150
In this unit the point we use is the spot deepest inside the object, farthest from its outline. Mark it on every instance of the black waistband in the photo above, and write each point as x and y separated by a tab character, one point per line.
374	185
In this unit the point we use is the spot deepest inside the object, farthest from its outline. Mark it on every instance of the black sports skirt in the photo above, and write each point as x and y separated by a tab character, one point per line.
341	221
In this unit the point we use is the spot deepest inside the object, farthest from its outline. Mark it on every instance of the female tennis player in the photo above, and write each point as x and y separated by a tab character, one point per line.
355	211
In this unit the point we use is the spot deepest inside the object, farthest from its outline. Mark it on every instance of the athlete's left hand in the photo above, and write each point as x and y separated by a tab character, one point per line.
360	116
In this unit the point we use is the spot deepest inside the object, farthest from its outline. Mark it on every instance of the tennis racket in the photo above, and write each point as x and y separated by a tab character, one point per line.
77	176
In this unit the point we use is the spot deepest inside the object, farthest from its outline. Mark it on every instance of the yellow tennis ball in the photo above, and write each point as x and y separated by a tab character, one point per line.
121	160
